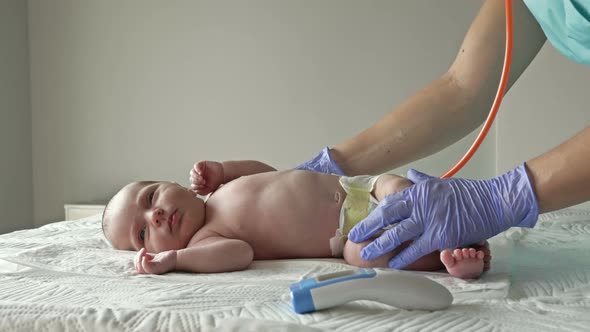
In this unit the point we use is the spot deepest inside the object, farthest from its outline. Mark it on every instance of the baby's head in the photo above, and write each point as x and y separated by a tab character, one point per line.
157	216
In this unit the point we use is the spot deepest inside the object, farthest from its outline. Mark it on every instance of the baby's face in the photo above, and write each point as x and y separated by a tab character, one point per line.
157	216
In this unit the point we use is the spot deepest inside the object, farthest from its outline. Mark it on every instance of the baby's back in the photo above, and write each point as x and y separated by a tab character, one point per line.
280	214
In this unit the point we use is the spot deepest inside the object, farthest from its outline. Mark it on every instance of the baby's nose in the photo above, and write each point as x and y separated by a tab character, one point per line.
158	217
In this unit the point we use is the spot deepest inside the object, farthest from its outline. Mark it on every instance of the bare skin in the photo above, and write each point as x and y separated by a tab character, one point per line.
277	212
265	215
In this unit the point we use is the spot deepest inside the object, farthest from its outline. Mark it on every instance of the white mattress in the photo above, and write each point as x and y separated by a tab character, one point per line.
64	276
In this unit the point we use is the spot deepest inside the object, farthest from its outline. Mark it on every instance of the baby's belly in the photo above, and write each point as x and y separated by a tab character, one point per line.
292	216
303	230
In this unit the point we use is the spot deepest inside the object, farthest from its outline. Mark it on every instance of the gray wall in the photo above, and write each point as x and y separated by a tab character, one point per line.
16	191
142	89
138	89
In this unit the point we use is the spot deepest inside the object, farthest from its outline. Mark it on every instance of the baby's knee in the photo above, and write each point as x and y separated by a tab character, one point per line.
352	255
388	184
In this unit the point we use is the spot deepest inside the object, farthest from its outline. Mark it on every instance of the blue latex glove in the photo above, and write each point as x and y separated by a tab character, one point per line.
447	213
322	163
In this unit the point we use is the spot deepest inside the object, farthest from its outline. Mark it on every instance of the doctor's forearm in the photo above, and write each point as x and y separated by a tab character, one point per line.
561	177
453	105
434	118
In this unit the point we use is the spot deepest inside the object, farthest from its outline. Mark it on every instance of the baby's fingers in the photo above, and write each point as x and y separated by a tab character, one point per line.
147	265
142	265
200	167
199	188
138	266
137	261
197	179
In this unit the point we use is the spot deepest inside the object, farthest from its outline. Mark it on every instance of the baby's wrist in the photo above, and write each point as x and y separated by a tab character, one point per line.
175	259
223	179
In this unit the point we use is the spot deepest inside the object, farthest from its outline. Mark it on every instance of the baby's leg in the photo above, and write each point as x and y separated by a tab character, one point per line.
462	263
388	184
352	255
466	263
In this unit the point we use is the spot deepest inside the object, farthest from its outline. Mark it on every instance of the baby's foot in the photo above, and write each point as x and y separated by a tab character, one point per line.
487	255
464	263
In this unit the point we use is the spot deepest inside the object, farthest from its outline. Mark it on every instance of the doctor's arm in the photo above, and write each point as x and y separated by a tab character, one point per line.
448	108
561	177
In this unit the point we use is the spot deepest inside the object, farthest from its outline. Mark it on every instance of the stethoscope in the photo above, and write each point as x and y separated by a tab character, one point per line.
497	100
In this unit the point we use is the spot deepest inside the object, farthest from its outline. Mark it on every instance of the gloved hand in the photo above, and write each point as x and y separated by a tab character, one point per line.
447	213
322	163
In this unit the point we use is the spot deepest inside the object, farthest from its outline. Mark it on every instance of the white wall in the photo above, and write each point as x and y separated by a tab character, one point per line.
16	192
128	90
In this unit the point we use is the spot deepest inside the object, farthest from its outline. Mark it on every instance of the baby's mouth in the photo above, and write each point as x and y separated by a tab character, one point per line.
173	220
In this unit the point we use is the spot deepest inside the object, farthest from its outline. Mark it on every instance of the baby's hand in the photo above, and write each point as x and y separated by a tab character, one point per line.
206	177
155	264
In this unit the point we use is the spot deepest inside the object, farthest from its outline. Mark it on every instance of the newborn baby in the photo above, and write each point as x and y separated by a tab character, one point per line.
253	212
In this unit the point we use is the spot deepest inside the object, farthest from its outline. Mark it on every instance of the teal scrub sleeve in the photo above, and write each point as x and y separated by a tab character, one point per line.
566	24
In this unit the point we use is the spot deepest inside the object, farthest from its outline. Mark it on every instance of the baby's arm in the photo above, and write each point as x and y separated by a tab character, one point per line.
234	169
213	254
206	176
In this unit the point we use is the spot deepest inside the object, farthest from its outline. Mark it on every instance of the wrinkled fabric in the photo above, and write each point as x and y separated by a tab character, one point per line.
566	24
322	163
447	213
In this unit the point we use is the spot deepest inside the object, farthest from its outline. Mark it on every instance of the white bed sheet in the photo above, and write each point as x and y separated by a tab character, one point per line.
64	276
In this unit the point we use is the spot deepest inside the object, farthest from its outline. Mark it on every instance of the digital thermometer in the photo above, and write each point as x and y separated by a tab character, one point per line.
401	289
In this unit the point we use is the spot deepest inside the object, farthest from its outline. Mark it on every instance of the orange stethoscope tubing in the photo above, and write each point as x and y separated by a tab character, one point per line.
497	100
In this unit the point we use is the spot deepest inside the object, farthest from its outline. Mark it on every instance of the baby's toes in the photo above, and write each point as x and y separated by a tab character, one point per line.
458	253
480	255
447	258
466	253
